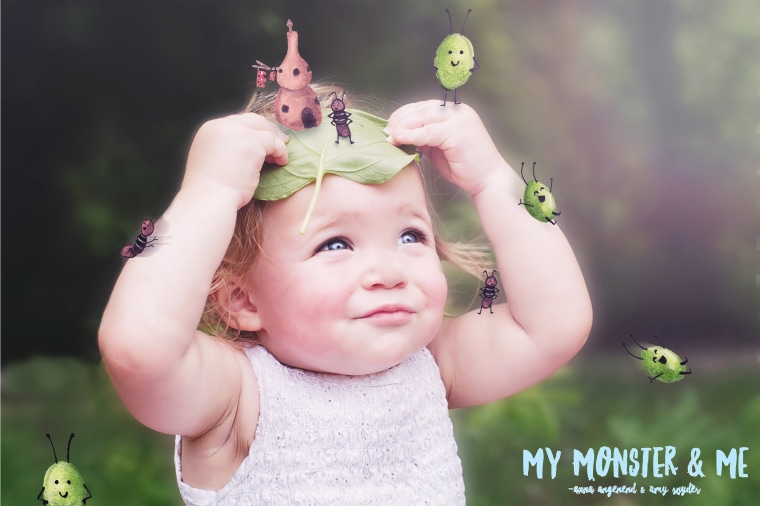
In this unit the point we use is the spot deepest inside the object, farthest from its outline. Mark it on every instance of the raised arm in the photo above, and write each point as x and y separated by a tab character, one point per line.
170	376
547	317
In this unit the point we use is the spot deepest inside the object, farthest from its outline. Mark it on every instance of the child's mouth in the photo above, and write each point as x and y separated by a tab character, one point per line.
389	315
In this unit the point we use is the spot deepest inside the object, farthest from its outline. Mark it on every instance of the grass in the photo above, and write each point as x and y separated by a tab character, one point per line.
595	402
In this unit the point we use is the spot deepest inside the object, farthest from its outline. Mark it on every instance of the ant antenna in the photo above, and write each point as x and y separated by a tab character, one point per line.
465	20
51	444
68	448
451	28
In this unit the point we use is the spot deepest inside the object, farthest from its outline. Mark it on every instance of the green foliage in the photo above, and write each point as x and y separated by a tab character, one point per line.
585	406
580	407
121	461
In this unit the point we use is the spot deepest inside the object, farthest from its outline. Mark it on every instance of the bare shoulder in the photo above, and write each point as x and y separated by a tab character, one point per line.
210	459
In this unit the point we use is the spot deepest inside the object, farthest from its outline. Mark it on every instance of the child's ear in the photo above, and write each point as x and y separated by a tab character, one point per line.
238	307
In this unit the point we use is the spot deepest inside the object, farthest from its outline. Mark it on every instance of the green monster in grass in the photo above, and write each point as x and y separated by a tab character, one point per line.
661	363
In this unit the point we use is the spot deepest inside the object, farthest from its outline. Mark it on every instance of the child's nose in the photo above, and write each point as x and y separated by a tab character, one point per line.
384	270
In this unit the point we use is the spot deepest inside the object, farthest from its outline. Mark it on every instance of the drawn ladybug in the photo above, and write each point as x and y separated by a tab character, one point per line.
142	242
489	292
340	118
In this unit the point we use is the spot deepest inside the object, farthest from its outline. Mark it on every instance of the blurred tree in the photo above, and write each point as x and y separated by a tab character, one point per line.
637	110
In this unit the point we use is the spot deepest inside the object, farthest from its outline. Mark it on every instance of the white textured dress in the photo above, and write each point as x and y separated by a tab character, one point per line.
384	438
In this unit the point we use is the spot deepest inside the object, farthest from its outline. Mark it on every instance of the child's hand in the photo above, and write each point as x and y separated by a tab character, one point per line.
453	137
230	151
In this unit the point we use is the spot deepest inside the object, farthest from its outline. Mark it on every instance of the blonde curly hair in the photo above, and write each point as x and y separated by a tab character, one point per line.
246	243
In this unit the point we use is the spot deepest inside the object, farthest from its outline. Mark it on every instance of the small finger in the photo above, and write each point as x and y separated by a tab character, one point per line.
261	123
416	113
278	153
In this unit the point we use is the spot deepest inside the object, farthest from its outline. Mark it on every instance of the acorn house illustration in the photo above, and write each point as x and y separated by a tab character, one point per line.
296	106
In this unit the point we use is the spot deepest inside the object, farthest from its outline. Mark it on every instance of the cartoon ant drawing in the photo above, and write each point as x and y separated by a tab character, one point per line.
142	242
489	292
340	118
454	60
63	484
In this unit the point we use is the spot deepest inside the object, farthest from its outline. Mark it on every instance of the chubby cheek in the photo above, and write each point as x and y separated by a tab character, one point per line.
436	290
300	306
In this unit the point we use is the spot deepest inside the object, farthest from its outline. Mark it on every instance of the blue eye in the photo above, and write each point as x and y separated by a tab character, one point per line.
334	244
412	236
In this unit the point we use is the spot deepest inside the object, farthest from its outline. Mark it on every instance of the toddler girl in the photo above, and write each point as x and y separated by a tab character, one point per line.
336	384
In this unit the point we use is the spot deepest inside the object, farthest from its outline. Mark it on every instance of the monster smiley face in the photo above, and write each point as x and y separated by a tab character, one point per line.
63	484
454	60
661	363
538	199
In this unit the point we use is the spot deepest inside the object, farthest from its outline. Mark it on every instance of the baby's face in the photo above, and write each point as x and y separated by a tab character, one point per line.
362	289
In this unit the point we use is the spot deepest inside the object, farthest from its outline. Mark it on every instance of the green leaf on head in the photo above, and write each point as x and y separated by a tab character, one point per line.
313	153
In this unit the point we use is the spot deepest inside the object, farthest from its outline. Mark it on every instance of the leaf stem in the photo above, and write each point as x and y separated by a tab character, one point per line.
317	186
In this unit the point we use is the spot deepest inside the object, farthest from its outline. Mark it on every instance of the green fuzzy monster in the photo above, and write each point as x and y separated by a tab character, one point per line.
454	60
661	363
539	200
63	484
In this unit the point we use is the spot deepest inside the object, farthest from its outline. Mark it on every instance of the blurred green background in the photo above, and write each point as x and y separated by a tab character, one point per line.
645	113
